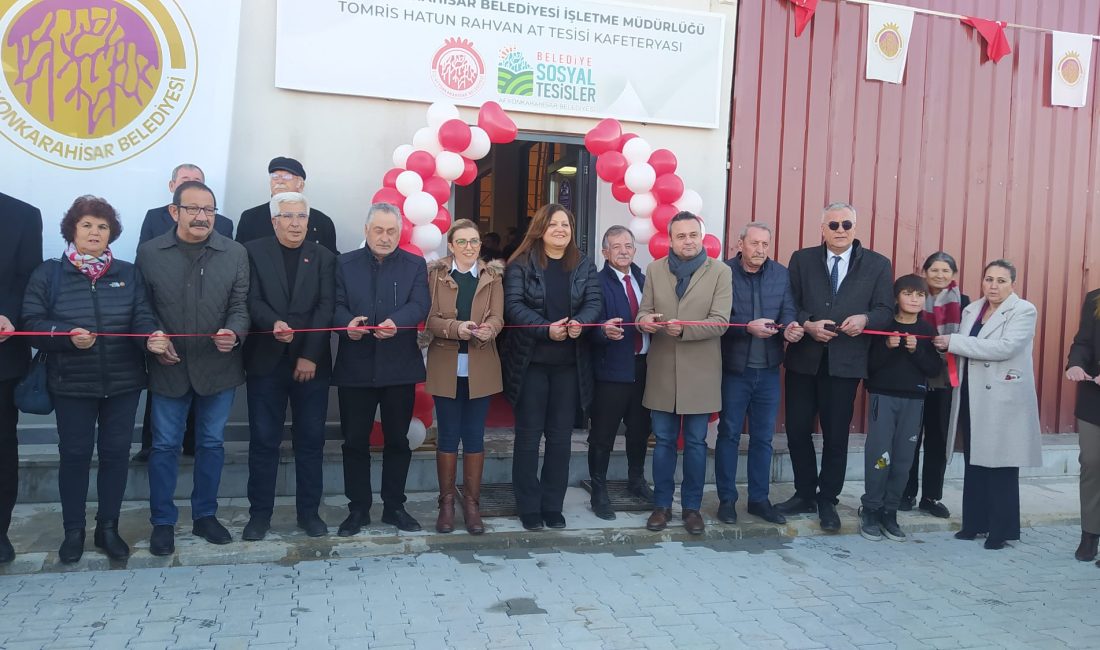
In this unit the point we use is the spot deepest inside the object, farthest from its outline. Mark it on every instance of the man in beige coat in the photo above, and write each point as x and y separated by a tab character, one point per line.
684	375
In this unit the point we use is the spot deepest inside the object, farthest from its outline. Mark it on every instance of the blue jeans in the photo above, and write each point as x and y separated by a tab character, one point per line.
666	428
461	418
754	392
169	422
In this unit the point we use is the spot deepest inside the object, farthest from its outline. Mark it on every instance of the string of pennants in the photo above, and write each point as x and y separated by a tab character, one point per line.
889	26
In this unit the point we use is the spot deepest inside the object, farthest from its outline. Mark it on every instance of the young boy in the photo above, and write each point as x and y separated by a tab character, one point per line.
899	368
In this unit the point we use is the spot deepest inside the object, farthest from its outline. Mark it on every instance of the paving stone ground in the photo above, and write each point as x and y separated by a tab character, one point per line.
808	592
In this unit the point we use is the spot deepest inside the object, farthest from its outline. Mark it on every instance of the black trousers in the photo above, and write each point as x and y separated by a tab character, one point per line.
614	403
357	408
147	427
937	412
9	453
830	399
545	408
991	496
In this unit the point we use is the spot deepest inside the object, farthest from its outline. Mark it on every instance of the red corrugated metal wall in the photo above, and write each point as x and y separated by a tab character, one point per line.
964	155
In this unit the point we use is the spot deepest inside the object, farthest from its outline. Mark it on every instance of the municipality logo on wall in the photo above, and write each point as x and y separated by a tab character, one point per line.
515	76
90	83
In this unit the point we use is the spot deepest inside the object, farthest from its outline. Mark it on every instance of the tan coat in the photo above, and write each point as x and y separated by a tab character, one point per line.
488	307
684	375
1004	409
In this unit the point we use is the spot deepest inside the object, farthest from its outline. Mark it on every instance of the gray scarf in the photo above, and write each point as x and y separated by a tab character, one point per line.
684	269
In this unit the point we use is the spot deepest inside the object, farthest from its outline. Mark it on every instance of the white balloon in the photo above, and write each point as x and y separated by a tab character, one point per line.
690	201
440	112
640	176
401	154
427	139
642	205
420	209
417	433
479	144
636	151
427	237
449	165
409	183
643	229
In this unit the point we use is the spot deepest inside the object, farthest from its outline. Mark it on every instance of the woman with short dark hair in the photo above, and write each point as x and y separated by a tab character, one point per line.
1083	368
92	379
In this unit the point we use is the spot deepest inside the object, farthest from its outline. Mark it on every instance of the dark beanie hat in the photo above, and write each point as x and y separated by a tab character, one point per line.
286	165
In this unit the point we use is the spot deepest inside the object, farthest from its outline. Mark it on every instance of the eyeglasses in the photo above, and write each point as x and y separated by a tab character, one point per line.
281	176
194	210
293	216
837	225
463	243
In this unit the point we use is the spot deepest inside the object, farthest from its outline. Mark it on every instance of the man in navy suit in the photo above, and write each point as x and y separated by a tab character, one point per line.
620	369
20	254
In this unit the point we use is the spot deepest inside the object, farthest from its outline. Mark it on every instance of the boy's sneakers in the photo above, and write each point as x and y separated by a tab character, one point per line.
869	525
890	527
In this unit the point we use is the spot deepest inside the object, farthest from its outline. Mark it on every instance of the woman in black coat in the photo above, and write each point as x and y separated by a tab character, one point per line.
550	289
91	378
1083	367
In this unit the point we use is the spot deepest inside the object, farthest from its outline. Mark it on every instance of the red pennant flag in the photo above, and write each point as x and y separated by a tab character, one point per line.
803	13
993	32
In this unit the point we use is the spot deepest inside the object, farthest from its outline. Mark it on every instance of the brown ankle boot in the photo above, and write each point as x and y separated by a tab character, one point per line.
1086	552
445	467
472	465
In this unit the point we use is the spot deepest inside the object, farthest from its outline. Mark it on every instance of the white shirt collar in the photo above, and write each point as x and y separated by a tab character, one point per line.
454	267
846	256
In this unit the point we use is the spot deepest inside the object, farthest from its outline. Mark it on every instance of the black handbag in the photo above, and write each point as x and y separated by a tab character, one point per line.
32	394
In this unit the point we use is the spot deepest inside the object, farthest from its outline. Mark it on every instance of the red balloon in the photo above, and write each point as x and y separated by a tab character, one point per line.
621	192
662	161
422	163
388	195
668	188
442	220
712	246
658	245
611	166
495	122
627	137
390	179
604	137
454	135
662	215
469	173
438	188
422	405
412	248
406	231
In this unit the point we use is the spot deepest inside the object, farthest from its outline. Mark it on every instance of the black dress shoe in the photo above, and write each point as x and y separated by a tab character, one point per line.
107	539
143	455
401	518
766	511
797	505
163	540
601	502
934	508
830	520
531	521
994	544
256	529
7	551
907	503
313	525
72	547
727	512
638	487
553	519
354	523
966	535
210	529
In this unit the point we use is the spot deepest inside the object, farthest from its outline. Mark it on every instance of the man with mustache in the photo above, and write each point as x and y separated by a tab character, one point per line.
750	371
198	283
286	175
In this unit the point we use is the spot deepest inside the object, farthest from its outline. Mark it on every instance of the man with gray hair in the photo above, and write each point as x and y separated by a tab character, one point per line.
619	363
751	356
840	289
385	288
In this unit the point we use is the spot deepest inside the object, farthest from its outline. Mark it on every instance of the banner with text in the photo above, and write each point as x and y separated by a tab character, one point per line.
568	57
105	97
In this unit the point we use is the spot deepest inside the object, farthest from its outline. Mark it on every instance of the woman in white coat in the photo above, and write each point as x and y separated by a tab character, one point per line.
994	408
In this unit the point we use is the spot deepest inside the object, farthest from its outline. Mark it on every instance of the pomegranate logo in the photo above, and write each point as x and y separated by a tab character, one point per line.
90	83
457	68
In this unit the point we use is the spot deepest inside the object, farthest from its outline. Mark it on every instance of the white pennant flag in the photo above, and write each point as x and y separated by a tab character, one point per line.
1069	75
888	30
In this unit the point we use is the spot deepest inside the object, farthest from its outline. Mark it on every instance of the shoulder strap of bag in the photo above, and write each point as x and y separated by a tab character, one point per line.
55	283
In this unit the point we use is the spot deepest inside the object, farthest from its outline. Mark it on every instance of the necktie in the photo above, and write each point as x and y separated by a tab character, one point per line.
834	274
632	298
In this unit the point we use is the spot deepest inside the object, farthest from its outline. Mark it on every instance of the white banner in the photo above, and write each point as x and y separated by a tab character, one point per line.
561	57
1070	66
149	86
888	30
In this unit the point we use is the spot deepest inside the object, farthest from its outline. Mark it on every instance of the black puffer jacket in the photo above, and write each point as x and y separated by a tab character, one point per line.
115	303
525	304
